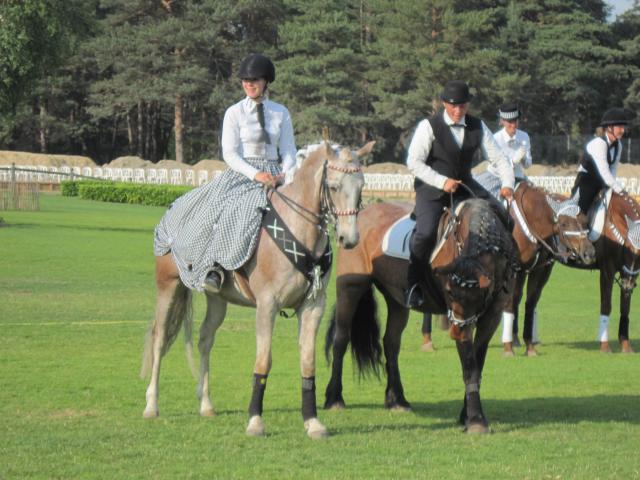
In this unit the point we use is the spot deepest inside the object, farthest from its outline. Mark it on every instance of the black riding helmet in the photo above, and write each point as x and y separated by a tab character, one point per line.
615	116
256	65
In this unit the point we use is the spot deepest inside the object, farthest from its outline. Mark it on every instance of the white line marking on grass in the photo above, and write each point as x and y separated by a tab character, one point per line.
53	324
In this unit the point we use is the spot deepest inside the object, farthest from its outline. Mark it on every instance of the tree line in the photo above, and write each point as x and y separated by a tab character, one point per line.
106	78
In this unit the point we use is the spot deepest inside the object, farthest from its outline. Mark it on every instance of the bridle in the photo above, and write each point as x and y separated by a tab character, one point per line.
328	214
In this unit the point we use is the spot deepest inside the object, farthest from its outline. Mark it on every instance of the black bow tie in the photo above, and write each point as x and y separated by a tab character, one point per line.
458	125
614	144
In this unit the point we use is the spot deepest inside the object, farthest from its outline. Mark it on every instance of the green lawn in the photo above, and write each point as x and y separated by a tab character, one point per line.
77	292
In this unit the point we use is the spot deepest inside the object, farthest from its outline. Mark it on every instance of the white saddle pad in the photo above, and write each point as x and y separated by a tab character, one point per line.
395	242
597	220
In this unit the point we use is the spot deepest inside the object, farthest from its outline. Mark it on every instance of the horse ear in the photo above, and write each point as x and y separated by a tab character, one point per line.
366	150
483	281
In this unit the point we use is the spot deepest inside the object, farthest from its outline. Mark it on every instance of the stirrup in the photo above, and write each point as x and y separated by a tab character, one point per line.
414	298
214	280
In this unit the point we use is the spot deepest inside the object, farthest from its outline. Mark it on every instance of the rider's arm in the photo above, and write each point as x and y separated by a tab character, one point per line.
598	150
499	163
287	143
418	153
232	145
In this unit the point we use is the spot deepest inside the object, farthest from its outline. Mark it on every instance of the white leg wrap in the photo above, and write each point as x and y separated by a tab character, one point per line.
507	327
534	331
603	333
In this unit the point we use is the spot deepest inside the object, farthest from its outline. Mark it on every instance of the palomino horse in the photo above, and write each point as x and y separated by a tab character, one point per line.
617	252
473	269
545	230
326	187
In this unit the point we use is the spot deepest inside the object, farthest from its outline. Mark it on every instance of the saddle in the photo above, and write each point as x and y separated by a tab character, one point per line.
395	243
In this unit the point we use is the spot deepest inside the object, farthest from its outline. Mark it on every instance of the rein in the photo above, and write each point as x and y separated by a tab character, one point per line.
328	212
520	214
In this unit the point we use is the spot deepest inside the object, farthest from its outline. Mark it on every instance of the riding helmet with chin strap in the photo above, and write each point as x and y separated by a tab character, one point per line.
615	116
256	65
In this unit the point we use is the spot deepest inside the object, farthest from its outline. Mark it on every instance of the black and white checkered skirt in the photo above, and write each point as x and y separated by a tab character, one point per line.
490	182
217	222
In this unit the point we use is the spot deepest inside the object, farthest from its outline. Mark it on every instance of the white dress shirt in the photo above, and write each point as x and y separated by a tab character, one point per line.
517	149
423	140
598	149
241	136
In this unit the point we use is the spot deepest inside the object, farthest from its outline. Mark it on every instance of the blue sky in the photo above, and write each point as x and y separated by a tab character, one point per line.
619	6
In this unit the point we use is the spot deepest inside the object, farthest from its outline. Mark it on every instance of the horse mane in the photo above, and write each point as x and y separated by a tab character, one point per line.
486	232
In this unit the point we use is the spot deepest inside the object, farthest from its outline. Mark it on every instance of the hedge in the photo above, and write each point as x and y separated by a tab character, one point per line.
137	193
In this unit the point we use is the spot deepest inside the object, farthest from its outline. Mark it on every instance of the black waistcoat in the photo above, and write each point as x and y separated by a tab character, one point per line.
588	163
446	157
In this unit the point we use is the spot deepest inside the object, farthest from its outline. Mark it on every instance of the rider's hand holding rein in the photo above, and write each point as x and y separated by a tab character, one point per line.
451	185
507	194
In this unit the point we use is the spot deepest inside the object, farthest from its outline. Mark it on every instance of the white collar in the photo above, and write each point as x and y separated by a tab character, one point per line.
448	121
251	105
506	135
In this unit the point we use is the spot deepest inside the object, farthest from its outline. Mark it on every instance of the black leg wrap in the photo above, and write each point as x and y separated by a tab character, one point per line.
309	398
259	384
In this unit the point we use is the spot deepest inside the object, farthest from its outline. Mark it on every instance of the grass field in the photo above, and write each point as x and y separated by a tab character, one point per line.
76	295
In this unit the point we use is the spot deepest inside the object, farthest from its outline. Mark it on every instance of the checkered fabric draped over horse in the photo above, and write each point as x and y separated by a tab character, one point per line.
218	222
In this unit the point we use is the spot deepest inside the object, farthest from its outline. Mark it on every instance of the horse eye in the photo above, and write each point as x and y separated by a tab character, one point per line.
334	188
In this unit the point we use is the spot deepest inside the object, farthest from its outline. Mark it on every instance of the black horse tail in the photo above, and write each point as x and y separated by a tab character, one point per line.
366	347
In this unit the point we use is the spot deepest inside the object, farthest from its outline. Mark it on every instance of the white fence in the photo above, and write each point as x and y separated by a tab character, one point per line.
374	182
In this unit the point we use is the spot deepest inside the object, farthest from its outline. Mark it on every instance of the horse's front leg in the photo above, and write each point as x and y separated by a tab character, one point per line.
606	289
265	319
216	311
309	316
510	314
623	327
472	415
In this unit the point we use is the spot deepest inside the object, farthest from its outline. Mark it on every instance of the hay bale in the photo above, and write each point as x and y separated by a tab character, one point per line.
37	159
129	162
210	165
386	167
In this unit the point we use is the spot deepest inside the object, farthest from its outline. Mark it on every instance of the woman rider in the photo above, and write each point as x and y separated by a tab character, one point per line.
215	227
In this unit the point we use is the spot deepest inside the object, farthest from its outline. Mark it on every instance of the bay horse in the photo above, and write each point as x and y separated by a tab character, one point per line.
617	253
546	230
473	269
325	189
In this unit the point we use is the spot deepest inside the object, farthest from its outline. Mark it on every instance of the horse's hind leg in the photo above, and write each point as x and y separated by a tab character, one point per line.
538	278
309	320
350	289
623	326
397	317
171	295
216	311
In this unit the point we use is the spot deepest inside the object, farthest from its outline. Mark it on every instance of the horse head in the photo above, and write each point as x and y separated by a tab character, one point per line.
467	288
342	188
570	227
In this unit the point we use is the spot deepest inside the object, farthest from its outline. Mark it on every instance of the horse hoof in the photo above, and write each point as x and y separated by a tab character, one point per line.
477	428
532	353
335	406
400	408
315	430
255	427
625	347
508	354
208	412
427	347
604	347
151	414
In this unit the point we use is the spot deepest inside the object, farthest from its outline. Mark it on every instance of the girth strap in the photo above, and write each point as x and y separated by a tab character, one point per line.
299	256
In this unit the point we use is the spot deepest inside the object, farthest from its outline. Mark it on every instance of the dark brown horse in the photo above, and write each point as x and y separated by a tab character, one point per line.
474	273
546	229
617	253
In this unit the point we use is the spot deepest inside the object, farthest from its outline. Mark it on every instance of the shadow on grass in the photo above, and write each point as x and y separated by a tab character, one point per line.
592	346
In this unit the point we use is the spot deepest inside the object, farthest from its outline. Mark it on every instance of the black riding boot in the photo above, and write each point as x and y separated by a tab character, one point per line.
413	295
213	280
